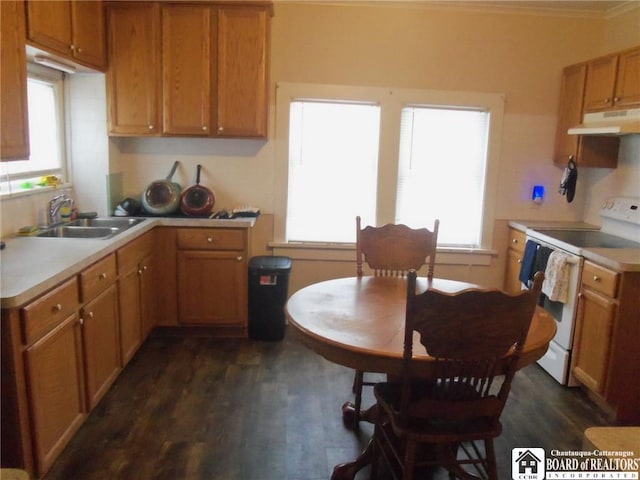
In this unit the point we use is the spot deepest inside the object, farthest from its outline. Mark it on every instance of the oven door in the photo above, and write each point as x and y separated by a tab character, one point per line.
557	360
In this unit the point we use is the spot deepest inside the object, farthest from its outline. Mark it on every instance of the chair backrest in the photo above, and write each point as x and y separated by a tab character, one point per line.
476	338
393	250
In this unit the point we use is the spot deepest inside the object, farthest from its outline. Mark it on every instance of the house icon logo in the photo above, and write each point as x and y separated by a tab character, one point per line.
527	463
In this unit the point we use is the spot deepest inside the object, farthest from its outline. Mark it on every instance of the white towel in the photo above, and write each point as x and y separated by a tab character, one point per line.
556	277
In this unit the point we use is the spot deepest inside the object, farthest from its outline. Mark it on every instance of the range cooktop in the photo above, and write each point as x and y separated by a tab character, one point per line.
589	239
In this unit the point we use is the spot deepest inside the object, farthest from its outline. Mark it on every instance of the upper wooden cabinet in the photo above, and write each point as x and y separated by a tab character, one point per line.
14	119
243	49
613	81
213	81
74	29
133	76
586	151
186	69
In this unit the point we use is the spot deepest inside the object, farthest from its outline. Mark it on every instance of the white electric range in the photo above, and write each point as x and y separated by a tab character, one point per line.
620	230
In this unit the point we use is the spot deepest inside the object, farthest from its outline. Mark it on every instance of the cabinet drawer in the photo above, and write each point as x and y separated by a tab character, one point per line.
40	316
517	240
130	255
97	277
211	239
600	279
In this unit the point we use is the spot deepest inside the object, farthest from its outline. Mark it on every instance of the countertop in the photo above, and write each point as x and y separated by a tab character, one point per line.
619	259
29	266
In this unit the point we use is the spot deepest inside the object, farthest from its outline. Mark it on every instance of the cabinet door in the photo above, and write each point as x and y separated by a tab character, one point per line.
570	112
49	25
601	79
14	120
595	319
212	287
56	390
133	74
89	43
628	80
130	316
243	53
186	69
512	278
101	344
148	274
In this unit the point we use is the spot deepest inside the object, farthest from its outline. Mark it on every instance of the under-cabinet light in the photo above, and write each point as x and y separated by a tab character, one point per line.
51	63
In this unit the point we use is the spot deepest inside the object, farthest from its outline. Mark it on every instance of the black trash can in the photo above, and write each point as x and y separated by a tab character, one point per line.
268	287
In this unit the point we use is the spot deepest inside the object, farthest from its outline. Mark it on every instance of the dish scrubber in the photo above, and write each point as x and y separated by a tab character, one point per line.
28	230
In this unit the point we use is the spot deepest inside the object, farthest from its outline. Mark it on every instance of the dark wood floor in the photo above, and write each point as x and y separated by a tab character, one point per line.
205	408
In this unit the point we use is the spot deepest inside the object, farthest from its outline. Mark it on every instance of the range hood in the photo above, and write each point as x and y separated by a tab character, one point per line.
614	122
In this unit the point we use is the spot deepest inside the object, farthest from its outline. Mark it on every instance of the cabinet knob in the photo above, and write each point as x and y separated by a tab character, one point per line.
239	258
514	240
519	260
79	50
81	321
72	47
150	127
102	276
596	278
139	271
90	314
616	99
144	268
607	101
204	128
210	239
221	129
56	308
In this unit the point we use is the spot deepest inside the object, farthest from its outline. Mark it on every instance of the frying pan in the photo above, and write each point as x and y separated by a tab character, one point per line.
197	201
162	197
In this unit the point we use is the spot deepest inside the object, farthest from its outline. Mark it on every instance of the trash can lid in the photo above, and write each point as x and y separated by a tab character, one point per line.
270	263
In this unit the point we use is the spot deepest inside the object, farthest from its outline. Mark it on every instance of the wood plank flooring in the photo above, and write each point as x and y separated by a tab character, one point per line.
199	408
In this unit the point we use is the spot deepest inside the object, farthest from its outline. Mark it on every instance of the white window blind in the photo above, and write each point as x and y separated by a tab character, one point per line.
442	165
333	159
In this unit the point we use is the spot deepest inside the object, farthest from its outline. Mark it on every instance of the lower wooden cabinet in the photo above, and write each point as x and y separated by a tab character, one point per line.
101	344
515	253
136	294
55	386
605	358
212	277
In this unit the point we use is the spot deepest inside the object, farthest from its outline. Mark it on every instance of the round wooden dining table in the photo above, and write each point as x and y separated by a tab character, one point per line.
358	322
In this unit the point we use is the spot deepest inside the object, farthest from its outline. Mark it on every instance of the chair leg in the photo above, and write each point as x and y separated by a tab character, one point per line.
490	454
357	390
409	460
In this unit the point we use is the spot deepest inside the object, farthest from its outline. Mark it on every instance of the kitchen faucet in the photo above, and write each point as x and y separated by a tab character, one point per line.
56	204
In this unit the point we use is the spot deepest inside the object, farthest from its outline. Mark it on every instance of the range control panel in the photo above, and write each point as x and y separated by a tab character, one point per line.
625	209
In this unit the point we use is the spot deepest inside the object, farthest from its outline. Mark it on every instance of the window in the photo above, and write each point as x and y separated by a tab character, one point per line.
389	155
333	159
441	171
46	131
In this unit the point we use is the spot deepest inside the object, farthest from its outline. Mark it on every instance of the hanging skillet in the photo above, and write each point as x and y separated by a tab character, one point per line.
197	201
162	197
569	180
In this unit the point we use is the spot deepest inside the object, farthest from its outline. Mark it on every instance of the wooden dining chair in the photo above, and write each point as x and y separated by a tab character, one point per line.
391	250
475	338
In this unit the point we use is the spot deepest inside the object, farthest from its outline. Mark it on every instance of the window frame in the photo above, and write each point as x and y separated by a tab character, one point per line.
392	100
14	180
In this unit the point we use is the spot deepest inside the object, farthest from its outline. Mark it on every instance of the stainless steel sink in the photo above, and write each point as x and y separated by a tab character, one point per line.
110	222
100	227
70	231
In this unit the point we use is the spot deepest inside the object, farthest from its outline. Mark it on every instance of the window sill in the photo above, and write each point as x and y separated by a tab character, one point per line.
344	252
7	193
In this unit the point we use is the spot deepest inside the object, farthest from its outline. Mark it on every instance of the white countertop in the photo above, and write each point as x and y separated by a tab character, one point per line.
619	259
29	266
